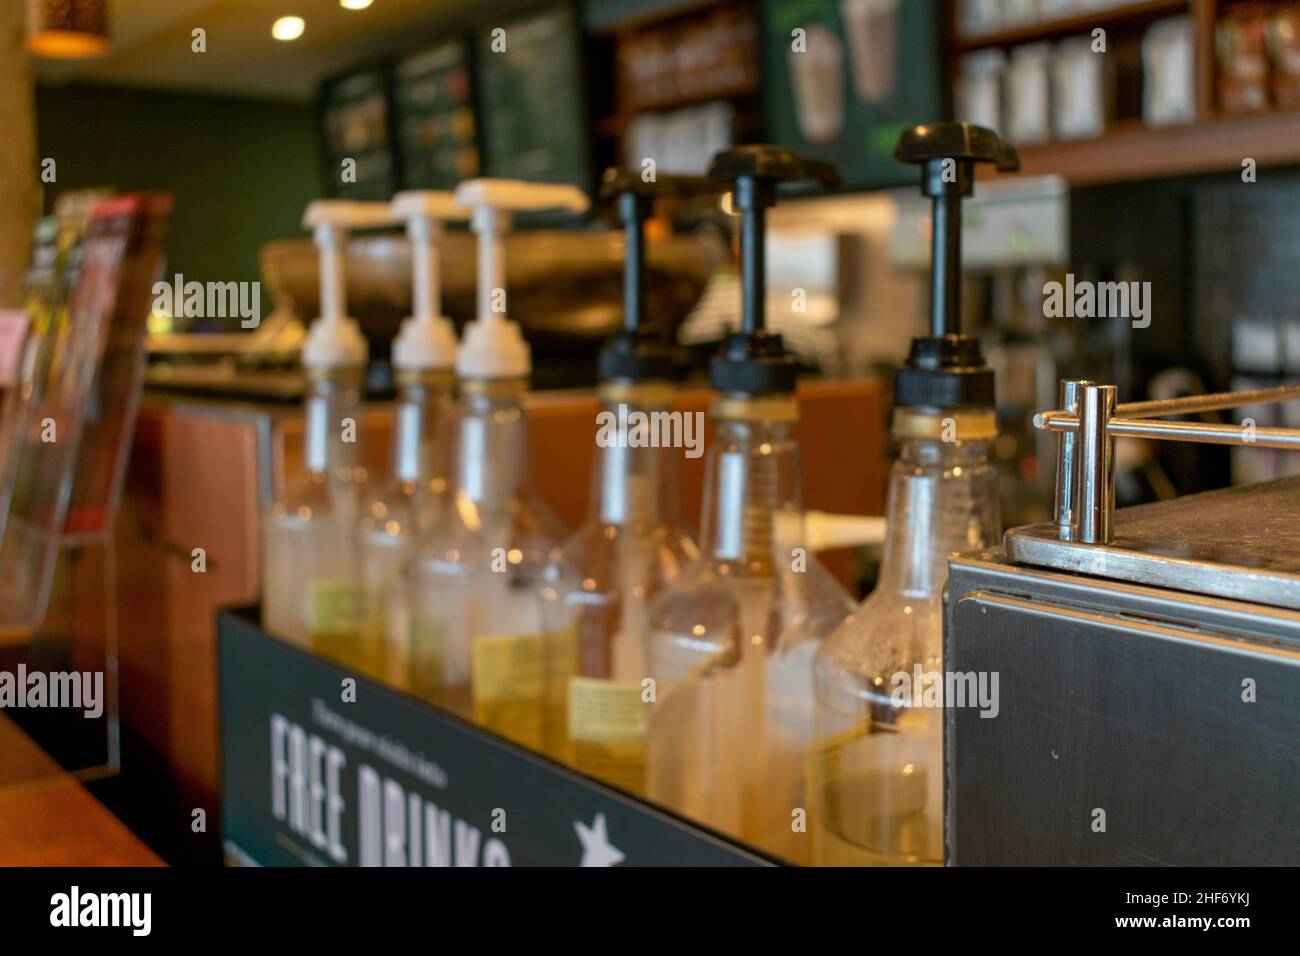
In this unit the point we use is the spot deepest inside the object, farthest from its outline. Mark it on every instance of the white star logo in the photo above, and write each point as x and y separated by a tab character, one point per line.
596	848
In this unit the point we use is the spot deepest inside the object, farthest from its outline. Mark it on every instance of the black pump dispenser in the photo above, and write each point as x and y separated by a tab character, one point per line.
754	361
946	369
638	352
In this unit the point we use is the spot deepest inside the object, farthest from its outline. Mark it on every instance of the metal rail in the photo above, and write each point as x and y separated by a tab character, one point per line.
1157	430
1090	420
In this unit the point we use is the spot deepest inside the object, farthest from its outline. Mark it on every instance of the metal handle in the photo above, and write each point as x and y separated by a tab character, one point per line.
1090	421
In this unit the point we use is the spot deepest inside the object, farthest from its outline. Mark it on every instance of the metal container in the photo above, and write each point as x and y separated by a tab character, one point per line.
1147	704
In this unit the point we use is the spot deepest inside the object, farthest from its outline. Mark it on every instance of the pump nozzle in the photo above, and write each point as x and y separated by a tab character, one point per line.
755	361
493	347
426	339
946	369
638	352
334	339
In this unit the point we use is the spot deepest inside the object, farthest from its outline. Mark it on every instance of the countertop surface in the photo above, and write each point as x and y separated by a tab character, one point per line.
47	818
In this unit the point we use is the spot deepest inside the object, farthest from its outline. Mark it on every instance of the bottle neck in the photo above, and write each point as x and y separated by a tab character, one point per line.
419	436
753	499
634	475
333	399
942	501
492	464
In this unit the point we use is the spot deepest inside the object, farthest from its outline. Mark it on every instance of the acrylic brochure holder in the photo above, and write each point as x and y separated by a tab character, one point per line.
67	428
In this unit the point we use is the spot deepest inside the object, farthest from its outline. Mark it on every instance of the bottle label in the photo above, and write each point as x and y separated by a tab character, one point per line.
386	634
331	606
518	684
508	685
607	730
561	662
425	670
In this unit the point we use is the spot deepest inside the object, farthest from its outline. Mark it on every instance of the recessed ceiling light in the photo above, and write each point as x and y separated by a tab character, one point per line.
288	28
355	4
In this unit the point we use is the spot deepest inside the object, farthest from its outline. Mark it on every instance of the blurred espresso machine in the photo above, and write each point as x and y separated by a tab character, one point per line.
1147	707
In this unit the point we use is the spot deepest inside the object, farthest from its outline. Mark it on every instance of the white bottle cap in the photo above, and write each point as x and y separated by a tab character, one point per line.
334	340
334	343
424	342
493	346
427	340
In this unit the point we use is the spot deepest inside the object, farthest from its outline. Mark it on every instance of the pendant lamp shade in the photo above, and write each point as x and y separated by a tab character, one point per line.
67	29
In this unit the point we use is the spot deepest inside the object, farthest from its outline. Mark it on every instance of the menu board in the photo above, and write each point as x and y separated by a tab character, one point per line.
358	149
436	127
531	94
839	85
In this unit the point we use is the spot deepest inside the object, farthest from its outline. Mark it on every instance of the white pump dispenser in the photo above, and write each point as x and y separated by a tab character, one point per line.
309	572
493	346
479	642
334	340
399	511
426	339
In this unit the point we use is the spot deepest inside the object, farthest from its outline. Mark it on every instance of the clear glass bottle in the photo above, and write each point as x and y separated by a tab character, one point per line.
631	545
731	642
876	767
402	512
309	568
478	636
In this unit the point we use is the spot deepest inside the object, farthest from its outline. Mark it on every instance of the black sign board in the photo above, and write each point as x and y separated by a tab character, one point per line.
531	94
435	116
315	775
357	132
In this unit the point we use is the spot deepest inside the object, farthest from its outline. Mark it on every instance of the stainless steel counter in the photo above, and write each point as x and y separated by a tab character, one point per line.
1149	690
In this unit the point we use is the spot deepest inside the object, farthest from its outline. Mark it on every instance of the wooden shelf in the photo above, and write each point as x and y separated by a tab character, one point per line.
1134	153
1081	23
684	100
612	127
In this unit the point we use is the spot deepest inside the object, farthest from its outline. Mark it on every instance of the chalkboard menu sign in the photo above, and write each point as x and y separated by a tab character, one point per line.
436	126
839	85
358	148
531	92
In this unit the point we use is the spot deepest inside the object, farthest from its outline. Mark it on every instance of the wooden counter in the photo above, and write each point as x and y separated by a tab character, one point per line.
47	818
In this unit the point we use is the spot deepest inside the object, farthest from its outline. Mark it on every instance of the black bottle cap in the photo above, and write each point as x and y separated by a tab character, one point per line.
944	372
754	364
636	355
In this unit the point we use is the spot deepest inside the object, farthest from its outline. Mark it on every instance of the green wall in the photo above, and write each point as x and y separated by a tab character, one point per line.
241	171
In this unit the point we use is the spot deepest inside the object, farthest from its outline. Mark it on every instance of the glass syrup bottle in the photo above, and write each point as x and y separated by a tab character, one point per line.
731	642
633	542
479	643
404	507
875	788
309	557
